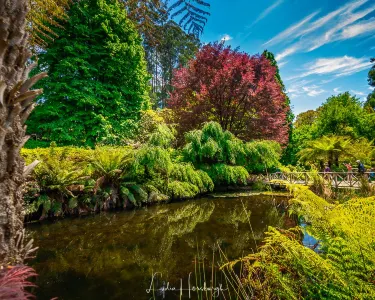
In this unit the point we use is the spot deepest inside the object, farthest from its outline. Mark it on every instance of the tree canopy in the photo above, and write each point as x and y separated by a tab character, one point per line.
370	102
97	77
340	115
238	91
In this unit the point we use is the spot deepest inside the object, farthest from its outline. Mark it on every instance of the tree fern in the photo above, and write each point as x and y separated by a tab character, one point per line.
44	15
193	14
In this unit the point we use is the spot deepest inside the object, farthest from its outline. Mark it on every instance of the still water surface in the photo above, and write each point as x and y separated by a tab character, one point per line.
114	255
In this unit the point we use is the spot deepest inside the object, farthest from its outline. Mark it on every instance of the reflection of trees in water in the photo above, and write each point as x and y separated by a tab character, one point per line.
130	246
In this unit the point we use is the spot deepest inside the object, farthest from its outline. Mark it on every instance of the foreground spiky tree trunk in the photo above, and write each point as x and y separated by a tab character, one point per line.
16	104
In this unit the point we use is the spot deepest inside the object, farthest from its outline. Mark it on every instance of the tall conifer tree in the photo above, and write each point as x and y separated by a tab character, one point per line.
98	80
288	151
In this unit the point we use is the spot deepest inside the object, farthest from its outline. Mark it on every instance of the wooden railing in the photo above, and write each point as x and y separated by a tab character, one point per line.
335	179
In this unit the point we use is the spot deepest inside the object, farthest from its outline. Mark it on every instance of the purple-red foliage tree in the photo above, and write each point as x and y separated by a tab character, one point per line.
234	89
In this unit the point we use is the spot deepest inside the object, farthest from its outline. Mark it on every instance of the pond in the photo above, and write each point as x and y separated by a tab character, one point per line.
116	255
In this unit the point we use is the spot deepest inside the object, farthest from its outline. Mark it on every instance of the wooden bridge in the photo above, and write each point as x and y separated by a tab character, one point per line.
335	179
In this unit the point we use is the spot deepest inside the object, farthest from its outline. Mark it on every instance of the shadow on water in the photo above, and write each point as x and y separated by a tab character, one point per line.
114	255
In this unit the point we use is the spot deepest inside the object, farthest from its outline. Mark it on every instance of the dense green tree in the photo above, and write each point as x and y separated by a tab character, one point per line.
370	102
371	74
288	151
306	118
340	115
333	149
290	115
97	77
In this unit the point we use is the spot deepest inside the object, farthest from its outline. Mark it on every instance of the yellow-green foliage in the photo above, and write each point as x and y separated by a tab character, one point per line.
152	160
163	136
75	154
226	158
262	156
335	148
57	178
178	189
110	162
109	177
213	144
186	172
224	174
341	267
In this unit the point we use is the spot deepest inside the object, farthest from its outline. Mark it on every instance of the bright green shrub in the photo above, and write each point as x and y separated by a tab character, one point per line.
181	190
226	158
163	136
152	160
185	172
158	169
223	174
75	154
212	144
58	179
262	156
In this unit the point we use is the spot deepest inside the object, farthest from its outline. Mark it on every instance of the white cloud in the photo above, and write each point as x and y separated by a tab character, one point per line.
344	23
337	90
296	87
283	63
359	29
267	11
289	31
336	32
358	93
286	53
302	87
337	66
313	90
371	88
225	38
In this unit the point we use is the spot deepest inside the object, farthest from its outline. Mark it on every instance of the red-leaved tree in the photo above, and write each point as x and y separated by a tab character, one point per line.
234	89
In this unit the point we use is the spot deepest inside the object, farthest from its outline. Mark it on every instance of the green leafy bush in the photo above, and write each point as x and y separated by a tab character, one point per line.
227	159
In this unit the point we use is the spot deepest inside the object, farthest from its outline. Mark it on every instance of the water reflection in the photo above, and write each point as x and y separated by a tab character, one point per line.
113	256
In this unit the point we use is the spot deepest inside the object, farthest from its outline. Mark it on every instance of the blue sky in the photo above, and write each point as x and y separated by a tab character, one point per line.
323	47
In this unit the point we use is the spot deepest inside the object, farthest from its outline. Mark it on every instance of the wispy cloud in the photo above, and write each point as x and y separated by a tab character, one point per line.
336	33
358	93
267	11
283	63
372	48
337	66
225	38
303	87
344	23
286	53
313	90
359	28
337	90
290	31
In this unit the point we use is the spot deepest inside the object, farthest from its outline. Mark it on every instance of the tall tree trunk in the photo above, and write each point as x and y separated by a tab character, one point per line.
16	104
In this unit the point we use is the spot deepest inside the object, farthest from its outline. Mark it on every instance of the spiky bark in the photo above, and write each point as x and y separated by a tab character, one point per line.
16	104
